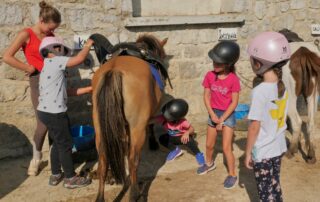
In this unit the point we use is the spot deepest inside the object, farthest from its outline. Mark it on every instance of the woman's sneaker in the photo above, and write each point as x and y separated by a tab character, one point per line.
205	168
54	180
34	166
76	182
174	154
230	182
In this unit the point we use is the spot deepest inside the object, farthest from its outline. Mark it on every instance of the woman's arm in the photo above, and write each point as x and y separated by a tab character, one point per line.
231	108
206	99
81	56
253	132
9	54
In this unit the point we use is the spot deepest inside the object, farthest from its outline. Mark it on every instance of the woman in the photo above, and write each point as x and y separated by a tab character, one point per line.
29	40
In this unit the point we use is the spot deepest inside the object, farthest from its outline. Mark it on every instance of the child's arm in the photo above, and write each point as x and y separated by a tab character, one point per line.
79	91
81	56
9	54
253	132
206	99
231	108
185	136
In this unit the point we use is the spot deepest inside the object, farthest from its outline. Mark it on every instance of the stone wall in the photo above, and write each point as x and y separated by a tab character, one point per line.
187	47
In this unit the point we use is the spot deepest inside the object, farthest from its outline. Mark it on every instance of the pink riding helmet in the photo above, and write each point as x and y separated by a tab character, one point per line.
268	48
50	42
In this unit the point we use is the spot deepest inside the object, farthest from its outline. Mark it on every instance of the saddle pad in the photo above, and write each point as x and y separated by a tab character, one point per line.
157	76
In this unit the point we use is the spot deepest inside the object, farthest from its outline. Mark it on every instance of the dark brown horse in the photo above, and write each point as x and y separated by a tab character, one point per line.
301	76
125	96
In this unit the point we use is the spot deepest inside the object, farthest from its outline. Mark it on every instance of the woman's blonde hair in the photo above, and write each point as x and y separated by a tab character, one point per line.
49	13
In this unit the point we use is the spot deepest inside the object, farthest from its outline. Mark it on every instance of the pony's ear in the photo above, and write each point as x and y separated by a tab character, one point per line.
163	42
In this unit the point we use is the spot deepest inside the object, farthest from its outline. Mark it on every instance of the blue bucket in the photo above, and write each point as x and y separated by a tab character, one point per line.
241	111
83	138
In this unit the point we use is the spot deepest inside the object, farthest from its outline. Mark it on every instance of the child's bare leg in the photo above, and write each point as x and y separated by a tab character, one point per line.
210	142
227	139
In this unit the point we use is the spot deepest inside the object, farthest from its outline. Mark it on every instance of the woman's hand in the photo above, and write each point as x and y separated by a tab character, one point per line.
30	70
185	138
248	161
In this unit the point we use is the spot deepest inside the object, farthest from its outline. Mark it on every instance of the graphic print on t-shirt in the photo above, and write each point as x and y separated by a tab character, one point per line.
279	113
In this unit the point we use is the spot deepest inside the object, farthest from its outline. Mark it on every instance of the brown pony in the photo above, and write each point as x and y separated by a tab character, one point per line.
301	76
125	96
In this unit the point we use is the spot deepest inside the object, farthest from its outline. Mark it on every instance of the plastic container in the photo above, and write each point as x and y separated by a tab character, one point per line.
83	138
241	111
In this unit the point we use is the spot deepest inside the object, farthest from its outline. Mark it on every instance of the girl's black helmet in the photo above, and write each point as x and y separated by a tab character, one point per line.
225	52
175	109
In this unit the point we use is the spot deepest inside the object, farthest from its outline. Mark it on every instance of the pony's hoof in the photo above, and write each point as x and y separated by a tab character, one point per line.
289	154
311	160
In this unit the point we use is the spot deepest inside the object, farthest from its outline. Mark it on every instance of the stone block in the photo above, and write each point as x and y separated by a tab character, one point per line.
297	4
315	4
11	90
193	52
260	9
233	6
10	14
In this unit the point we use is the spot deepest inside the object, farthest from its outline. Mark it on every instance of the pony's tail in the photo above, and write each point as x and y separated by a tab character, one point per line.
113	124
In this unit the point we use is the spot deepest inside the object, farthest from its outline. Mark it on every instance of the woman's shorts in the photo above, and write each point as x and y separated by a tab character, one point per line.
230	121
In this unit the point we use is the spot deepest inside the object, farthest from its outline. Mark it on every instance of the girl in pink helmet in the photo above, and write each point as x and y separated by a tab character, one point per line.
52	107
29	40
268	52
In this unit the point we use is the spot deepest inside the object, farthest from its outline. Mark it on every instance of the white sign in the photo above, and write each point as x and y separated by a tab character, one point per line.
79	41
227	34
315	29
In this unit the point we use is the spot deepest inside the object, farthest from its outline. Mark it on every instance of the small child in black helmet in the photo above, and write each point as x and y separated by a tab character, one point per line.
179	130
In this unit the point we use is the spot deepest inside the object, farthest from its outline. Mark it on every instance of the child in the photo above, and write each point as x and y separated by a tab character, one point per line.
221	94
52	108
29	40
179	130
268	51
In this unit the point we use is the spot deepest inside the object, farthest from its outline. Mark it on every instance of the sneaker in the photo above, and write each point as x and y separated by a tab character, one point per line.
34	165
76	182
174	154
230	182
205	168
200	159
54	180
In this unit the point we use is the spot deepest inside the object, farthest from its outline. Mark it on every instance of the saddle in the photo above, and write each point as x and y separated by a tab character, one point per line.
105	51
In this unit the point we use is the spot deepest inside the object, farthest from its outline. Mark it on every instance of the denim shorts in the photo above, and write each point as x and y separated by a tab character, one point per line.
230	121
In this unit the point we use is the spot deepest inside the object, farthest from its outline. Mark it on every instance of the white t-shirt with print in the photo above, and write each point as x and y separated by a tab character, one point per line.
52	85
272	114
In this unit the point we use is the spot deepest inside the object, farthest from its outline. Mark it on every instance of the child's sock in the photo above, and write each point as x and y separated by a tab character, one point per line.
37	155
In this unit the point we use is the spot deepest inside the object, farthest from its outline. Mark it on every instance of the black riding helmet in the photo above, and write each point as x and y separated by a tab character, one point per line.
175	109
225	52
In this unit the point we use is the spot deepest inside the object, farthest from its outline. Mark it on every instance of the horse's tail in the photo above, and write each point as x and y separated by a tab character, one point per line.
305	65
114	130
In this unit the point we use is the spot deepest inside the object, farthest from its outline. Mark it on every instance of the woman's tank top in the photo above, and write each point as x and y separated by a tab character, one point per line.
31	50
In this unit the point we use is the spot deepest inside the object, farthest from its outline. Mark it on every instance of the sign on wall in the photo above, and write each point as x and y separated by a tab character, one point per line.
315	29
227	34
79	41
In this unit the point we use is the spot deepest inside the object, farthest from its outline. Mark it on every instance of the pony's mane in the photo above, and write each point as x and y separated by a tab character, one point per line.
152	44
290	35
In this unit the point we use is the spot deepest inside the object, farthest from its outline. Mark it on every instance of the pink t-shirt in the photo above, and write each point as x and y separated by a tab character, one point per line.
174	128
221	89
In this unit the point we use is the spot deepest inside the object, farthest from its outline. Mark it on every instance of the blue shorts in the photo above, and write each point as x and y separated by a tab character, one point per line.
230	121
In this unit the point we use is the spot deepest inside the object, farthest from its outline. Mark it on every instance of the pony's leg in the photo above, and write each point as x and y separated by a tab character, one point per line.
153	144
102	171
312	107
137	141
296	123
